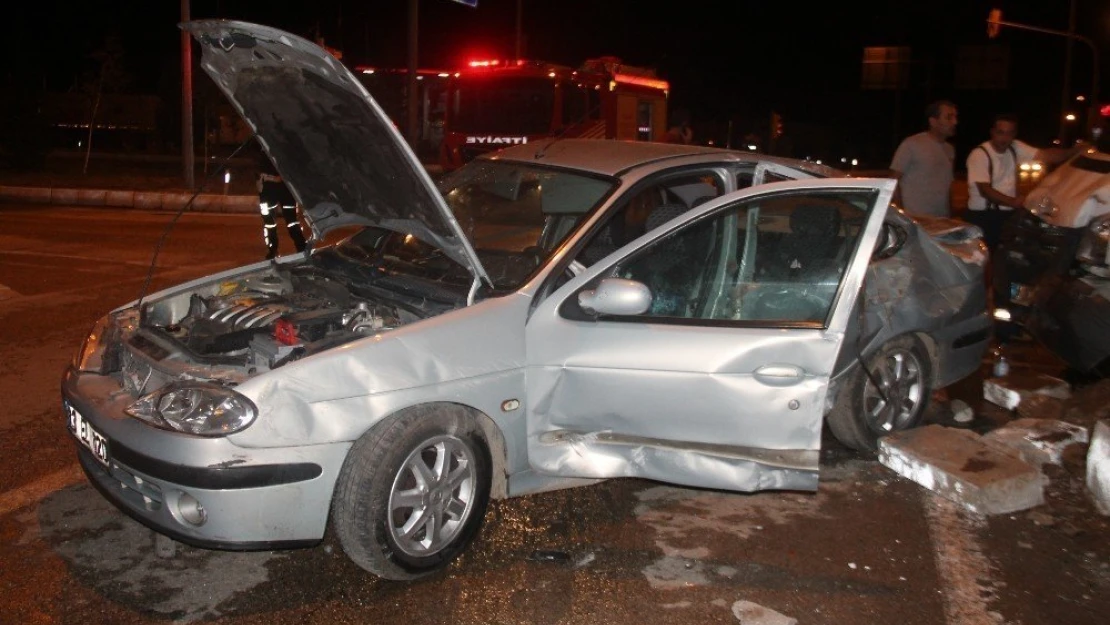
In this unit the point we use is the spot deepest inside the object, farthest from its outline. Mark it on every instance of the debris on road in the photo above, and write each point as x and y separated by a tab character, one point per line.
549	555
1011	390
961	412
1098	467
1037	441
749	613
957	465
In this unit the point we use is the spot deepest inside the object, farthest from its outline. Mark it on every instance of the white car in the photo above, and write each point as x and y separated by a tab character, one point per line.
1053	263
552	315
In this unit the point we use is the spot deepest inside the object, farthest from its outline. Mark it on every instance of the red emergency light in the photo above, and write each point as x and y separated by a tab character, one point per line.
642	81
1105	110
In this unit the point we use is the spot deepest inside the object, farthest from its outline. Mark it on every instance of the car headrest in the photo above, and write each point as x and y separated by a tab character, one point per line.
815	220
662	214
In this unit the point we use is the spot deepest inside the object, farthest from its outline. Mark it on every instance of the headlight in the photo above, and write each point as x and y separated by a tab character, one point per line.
197	409
91	355
1093	249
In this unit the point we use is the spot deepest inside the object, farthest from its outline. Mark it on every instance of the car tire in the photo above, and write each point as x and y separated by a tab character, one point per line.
861	415
413	492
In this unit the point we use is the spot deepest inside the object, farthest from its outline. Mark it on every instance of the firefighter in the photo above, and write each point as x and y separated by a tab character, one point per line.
274	196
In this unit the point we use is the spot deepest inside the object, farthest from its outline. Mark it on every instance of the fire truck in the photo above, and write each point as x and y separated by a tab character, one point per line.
389	86
493	104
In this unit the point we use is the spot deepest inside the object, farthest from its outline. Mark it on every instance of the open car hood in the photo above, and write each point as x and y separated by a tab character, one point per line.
334	146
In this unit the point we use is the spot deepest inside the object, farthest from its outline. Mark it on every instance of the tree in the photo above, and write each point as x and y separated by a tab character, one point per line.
109	75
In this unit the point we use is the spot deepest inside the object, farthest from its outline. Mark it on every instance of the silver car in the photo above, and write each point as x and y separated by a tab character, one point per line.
555	314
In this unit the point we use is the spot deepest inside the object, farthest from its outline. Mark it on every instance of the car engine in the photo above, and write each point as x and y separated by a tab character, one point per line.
235	328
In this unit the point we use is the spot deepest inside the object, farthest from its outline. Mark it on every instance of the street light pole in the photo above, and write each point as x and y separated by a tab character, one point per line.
187	160
1065	93
411	98
519	7
994	21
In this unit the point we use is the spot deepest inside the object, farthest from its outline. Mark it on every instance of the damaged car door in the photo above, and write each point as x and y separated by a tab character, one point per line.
700	354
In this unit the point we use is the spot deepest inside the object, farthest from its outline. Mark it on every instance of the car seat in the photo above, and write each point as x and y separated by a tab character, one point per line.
811	248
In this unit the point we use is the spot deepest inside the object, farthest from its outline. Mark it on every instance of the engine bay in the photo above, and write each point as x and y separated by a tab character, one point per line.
262	320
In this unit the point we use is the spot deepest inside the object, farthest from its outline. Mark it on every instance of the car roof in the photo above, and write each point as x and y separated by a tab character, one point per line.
612	158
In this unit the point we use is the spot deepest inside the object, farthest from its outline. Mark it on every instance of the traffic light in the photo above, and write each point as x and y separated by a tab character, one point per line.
776	125
993	26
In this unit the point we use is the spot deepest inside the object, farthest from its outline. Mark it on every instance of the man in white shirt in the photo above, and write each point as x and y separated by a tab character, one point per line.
992	175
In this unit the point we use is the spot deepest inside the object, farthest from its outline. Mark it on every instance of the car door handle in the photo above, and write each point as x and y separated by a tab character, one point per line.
780	375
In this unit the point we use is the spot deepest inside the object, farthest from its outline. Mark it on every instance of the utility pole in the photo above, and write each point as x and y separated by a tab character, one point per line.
519	50
995	22
1065	93
411	98
187	159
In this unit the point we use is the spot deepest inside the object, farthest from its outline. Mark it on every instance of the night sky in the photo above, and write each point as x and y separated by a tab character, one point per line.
727	60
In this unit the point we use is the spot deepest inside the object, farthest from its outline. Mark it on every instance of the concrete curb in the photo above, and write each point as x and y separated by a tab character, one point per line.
121	198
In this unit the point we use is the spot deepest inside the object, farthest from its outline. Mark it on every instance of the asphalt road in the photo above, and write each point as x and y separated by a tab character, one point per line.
868	547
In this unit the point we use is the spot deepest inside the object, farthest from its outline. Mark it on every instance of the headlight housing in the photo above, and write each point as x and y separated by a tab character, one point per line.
198	409
92	355
1093	250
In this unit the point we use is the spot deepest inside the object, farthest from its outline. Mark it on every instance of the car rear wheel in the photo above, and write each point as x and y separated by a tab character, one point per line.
413	492
891	399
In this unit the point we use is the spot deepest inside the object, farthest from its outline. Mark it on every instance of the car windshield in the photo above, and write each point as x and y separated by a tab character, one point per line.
515	215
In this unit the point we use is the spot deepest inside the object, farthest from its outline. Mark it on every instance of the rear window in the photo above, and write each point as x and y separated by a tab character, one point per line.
1087	163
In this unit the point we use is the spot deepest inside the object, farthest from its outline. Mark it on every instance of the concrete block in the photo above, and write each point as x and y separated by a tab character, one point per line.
1009	391
148	200
1042	407
63	196
207	203
172	201
91	197
1037	441
1098	467
241	203
33	195
959	466
122	199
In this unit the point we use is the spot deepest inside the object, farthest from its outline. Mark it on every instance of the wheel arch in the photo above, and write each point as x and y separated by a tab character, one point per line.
491	433
931	350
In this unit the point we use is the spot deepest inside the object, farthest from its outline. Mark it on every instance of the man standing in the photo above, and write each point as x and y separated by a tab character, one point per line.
992	192
274	196
680	131
923	164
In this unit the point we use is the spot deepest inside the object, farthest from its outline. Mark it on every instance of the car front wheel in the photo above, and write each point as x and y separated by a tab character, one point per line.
892	398
413	492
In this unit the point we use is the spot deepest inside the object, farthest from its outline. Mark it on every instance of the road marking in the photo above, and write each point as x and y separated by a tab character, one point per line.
966	575
30	493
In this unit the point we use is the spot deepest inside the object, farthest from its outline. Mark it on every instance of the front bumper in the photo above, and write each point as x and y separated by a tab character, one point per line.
960	348
206	492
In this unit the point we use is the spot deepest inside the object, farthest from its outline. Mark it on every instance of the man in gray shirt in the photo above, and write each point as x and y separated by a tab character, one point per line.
923	164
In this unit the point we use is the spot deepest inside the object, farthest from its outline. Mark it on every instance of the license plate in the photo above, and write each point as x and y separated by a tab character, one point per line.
87	435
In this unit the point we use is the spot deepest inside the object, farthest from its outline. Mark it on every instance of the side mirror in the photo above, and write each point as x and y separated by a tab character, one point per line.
616	296
891	239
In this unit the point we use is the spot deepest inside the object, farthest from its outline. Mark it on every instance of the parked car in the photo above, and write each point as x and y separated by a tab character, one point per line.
1054	275
554	314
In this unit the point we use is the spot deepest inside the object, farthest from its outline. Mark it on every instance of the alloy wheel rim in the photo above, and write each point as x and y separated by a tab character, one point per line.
901	380
432	496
